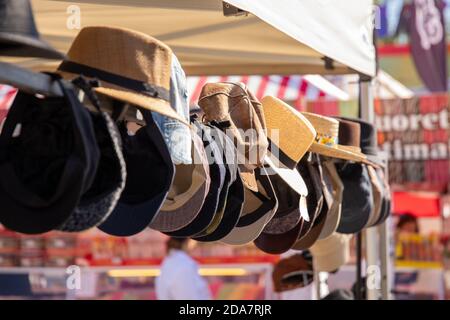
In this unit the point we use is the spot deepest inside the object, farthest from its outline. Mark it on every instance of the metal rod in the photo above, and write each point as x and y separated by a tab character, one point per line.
28	81
358	293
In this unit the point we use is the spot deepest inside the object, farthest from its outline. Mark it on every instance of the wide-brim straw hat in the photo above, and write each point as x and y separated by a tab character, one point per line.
326	141
259	208
290	133
131	66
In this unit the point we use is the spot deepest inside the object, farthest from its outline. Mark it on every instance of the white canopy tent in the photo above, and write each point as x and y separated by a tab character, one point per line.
276	37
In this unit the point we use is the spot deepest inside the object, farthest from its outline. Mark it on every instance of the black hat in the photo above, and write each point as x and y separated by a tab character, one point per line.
217	175
19	36
230	215
150	173
357	197
231	197
98	202
48	159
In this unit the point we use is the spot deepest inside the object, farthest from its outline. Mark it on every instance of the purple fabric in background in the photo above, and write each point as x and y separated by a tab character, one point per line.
428	42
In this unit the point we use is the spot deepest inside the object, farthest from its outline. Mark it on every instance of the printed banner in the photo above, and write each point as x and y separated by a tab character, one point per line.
415	134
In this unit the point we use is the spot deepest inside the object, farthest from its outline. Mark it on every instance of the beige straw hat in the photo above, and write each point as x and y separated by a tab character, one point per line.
288	130
331	253
131	66
326	140
290	136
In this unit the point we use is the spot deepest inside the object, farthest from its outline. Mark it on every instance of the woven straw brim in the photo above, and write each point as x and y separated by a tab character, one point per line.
149	103
153	104
336	153
296	133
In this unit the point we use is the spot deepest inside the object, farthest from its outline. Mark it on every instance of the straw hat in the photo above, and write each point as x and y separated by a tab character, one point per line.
131	66
290	135
326	141
331	253
295	134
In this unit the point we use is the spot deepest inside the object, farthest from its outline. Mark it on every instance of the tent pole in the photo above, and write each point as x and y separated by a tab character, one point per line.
358	287
367	113
386	274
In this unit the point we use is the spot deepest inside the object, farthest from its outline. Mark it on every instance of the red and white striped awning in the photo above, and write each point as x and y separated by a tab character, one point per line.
289	88
7	95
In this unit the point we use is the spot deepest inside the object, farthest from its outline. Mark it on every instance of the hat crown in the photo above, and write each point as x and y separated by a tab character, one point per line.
294	132
218	108
16	16
368	136
349	133
123	52
325	127
233	103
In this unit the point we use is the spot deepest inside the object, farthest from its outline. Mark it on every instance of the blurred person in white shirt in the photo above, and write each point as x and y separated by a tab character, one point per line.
179	278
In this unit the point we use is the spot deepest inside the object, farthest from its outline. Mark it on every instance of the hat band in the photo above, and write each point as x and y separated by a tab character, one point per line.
326	140
283	157
118	80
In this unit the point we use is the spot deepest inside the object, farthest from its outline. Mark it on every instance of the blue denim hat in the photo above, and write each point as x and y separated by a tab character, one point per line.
176	134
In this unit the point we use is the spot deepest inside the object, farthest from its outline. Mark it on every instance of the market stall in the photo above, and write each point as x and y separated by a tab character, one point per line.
214	38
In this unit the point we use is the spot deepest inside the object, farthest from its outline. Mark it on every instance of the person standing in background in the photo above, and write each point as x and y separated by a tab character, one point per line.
179	278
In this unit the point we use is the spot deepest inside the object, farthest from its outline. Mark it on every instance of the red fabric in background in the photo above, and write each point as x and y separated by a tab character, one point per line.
420	204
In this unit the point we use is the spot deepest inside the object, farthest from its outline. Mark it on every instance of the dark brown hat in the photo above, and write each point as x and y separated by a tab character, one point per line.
293	272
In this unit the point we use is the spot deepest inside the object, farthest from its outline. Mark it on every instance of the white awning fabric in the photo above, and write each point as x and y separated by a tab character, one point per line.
277	37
